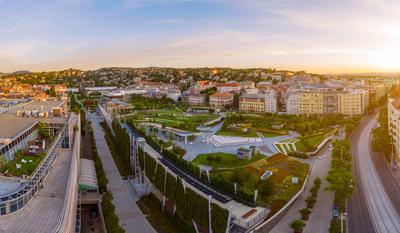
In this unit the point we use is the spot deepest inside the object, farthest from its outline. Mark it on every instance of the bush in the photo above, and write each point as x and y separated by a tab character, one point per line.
297	225
110	218
305	213
310	201
314	191
317	182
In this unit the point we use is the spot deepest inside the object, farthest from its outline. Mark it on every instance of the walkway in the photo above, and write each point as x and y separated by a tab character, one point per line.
130	216
321	216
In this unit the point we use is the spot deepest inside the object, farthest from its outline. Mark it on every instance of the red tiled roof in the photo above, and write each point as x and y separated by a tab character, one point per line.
221	95
228	85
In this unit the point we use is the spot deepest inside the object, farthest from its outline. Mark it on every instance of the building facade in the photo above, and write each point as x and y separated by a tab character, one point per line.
353	102
221	100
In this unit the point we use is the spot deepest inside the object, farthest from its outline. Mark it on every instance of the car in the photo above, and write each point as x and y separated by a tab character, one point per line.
93	213
335	212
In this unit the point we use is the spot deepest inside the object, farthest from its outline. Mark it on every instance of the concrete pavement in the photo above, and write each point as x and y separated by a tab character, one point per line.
130	216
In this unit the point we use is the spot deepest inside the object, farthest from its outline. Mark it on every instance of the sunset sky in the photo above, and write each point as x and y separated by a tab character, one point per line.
324	36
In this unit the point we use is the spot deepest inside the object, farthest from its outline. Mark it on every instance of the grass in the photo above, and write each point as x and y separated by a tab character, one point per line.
311	142
227	160
26	168
279	147
174	119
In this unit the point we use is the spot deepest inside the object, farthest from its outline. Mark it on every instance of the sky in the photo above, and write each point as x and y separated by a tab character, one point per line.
322	36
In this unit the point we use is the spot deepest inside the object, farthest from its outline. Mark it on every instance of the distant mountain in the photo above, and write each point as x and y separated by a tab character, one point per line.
21	72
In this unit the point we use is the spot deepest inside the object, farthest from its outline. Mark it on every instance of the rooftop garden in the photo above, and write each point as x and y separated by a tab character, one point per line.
22	164
275	190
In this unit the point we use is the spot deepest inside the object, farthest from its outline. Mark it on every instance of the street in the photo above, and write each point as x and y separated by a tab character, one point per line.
370	207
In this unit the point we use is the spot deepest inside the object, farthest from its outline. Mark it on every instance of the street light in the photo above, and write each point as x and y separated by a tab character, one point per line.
342	216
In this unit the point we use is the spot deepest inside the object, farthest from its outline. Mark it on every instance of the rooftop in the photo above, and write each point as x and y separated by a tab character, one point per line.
43	212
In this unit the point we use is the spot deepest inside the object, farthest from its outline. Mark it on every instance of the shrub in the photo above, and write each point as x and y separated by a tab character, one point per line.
310	201
317	182
314	191
305	213
297	225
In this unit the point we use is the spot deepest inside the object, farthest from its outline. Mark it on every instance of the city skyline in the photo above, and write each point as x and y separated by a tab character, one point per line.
328	37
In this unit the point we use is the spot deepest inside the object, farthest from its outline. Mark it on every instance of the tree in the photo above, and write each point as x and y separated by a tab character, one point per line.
305	213
42	131
217	159
210	158
340	181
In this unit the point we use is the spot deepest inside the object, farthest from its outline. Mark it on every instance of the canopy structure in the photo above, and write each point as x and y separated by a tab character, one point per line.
87	176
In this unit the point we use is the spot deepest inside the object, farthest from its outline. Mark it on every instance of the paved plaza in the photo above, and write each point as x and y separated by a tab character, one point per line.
130	216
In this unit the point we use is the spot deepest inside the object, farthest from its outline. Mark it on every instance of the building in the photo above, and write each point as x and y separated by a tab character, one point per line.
258	102
228	87
116	105
203	85
196	99
310	102
292	102
394	123
330	102
221	100
353	102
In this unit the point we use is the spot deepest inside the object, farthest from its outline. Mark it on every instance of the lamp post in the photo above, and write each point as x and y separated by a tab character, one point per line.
342	216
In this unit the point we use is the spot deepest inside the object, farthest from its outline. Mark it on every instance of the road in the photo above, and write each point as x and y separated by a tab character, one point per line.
370	207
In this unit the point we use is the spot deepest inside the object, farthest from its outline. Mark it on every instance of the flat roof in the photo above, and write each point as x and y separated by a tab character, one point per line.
12	125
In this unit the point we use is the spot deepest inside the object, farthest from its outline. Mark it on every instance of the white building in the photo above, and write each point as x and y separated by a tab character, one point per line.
292	102
270	101
394	124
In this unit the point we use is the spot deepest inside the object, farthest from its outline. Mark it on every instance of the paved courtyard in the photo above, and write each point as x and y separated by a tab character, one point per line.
130	216
199	146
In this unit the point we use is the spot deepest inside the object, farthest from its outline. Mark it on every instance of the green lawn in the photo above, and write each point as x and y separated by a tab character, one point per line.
174	119
26	168
310	143
279	146
227	160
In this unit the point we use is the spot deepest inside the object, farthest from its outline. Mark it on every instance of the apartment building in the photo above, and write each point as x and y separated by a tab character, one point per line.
394	123
311	102
221	100
228	87
330	102
292	102
196	99
353	101
265	102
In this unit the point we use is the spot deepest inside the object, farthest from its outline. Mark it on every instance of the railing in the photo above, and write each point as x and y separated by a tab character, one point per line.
260	216
14	201
67	221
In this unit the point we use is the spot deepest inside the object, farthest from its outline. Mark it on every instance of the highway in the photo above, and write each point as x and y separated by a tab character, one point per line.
370	207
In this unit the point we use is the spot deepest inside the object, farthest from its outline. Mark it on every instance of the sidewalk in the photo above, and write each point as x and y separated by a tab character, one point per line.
130	216
321	215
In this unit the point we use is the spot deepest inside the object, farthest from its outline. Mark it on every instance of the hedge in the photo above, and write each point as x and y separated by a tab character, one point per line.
189	204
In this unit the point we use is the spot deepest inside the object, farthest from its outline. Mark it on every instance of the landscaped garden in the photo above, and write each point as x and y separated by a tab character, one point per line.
275	190
224	160
22	164
173	118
